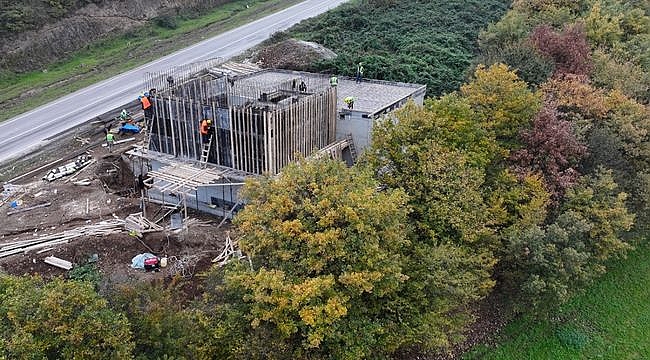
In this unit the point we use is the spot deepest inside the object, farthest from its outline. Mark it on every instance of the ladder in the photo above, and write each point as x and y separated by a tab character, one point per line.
146	139
353	150
205	153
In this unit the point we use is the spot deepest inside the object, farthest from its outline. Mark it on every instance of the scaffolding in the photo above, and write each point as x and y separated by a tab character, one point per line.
260	121
182	179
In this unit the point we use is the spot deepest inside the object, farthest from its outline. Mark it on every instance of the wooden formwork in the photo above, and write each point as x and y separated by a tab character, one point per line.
256	137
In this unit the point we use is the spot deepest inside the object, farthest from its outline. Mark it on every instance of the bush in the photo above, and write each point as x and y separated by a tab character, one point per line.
59	320
166	21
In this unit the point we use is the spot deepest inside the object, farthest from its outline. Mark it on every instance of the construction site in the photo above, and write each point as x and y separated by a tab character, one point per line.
166	189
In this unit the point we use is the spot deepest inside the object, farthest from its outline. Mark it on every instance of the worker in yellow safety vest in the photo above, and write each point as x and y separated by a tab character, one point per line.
350	101
110	140
334	81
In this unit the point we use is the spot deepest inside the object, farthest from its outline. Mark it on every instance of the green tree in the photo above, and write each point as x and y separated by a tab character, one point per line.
436	155
59	319
160	324
551	262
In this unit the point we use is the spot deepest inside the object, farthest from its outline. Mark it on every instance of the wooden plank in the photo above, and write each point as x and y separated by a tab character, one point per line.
60	263
29	208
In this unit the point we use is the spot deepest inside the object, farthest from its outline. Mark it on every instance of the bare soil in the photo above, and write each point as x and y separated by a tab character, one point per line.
111	194
291	54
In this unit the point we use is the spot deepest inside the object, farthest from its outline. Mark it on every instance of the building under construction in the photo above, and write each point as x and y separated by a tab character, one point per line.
261	120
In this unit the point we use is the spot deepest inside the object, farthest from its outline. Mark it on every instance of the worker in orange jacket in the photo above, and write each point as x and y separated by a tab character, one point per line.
146	106
205	130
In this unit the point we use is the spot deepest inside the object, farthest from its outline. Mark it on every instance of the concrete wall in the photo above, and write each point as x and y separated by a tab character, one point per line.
356	123
360	124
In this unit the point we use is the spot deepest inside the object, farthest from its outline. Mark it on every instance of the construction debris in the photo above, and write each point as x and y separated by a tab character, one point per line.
183	266
60	263
138	223
120	142
9	191
68	169
145	261
29	208
84	182
228	252
24	246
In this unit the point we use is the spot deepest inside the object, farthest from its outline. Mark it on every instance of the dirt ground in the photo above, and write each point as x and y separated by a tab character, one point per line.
111	194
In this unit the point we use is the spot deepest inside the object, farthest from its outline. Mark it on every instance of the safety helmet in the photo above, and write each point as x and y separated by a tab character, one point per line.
146	94
209	122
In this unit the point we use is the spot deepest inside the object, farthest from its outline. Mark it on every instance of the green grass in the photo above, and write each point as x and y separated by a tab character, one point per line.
22	92
611	320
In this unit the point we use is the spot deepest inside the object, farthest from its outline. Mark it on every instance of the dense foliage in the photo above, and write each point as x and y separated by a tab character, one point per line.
328	253
59	320
424	42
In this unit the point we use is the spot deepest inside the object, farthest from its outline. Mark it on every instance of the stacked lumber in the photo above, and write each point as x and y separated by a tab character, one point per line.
140	224
24	246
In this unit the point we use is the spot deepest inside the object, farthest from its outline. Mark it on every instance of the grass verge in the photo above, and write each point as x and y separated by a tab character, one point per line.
112	56
609	321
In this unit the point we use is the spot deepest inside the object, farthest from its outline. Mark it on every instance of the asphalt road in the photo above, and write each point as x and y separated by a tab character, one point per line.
27	131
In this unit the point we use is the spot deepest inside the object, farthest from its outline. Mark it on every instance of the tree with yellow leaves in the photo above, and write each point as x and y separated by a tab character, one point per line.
327	248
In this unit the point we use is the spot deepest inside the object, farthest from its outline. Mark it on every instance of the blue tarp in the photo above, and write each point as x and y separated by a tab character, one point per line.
130	128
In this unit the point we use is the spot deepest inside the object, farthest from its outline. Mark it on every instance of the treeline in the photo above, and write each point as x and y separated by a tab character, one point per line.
529	188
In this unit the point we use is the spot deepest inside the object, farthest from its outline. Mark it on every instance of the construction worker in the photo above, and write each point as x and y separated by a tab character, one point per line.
124	115
359	72
205	130
110	140
334	81
302	87
350	101
146	105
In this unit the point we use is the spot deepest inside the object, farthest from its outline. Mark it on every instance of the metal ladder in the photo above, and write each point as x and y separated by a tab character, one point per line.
205	153
353	150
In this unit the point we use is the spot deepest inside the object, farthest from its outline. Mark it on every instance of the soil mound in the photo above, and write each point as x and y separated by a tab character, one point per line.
292	54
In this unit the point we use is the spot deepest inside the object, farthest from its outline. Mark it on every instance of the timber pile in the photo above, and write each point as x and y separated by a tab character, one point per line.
24	246
140	224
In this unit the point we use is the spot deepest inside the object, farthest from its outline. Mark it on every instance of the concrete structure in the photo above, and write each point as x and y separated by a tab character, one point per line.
372	100
262	120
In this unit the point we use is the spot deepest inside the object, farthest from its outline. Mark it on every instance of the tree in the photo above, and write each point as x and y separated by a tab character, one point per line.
551	262
501	101
450	263
620	74
327	247
603	28
160	324
551	149
616	128
59	319
568	49
524	58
